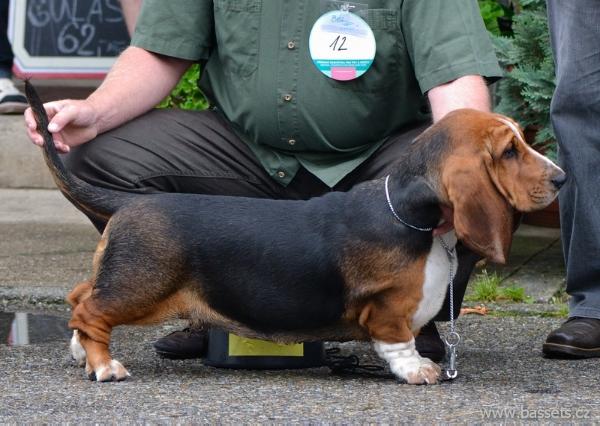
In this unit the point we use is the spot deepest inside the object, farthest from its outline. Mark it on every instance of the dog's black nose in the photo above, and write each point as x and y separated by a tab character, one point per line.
559	180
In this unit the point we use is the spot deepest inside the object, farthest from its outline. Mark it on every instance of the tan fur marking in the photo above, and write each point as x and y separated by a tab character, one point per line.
100	248
369	269
79	293
388	319
384	291
97	353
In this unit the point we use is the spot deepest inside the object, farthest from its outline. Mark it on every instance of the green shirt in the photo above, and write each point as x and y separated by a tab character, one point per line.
260	74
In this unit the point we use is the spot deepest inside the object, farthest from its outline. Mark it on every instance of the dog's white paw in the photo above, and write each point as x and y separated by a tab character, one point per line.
112	371
406	363
422	372
77	351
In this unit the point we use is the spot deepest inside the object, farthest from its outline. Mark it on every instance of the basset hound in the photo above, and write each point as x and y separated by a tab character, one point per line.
339	267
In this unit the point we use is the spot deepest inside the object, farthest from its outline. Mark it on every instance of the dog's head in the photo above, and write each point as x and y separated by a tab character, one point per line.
488	173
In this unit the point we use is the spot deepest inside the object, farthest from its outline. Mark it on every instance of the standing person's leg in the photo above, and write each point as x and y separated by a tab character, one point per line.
575	33
11	100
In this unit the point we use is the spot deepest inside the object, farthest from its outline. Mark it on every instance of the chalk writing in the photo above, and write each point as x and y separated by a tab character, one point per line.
75	28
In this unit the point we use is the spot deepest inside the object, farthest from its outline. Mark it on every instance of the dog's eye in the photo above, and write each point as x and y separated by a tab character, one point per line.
511	152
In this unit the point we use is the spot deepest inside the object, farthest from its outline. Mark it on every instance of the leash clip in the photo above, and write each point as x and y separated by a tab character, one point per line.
451	341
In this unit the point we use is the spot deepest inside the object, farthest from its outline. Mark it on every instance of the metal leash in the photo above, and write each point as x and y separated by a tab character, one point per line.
452	339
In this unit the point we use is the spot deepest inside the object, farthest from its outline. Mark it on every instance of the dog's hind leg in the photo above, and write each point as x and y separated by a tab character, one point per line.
77	351
144	285
94	318
81	292
92	333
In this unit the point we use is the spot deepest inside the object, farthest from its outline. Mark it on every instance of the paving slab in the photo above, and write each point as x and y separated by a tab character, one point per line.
46	246
38	206
21	162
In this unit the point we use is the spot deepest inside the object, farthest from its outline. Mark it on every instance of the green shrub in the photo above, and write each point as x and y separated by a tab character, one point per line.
187	95
493	13
526	91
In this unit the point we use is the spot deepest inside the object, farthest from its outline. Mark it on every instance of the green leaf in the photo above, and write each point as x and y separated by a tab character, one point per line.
187	94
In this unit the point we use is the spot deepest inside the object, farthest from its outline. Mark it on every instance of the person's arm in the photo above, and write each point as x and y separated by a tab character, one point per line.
465	92
136	83
131	10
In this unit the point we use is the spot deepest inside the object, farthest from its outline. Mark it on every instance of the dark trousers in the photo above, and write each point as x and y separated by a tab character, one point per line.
196	152
6	55
575	109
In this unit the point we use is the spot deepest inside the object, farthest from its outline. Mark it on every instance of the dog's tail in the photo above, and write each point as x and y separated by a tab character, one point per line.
97	203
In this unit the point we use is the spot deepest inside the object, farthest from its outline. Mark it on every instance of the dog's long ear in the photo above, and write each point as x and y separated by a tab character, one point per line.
483	219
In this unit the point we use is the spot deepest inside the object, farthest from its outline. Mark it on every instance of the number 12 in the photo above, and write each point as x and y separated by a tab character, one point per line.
335	42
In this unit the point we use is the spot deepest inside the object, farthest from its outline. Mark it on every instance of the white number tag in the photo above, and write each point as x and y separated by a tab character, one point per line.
342	45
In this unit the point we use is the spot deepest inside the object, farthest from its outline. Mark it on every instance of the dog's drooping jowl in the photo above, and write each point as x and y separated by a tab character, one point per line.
336	267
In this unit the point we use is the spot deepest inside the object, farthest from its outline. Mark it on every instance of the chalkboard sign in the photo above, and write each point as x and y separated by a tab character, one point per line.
66	38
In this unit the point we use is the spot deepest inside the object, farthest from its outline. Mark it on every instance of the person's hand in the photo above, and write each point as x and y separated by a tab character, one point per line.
72	123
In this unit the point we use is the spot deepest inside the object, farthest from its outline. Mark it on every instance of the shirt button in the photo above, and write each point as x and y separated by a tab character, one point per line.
281	174
287	97
292	141
291	45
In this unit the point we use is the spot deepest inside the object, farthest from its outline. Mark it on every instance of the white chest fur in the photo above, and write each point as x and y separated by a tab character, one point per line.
437	274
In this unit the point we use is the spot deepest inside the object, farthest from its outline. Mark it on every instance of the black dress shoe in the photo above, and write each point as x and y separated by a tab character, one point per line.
429	343
185	344
577	338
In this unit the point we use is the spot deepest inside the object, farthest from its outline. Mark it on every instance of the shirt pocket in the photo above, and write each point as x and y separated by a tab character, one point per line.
387	64
237	29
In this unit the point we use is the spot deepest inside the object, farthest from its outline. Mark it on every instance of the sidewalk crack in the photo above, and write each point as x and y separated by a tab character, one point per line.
529	259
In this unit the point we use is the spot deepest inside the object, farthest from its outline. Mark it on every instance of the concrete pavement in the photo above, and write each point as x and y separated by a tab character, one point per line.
503	379
45	246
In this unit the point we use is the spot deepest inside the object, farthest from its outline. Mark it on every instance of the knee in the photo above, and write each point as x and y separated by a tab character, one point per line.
83	159
99	163
575	93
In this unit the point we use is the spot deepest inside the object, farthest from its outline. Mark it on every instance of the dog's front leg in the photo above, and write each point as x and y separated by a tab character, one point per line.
394	342
406	363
